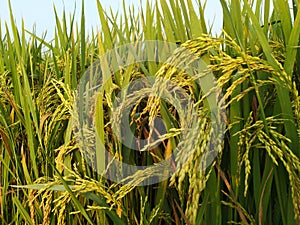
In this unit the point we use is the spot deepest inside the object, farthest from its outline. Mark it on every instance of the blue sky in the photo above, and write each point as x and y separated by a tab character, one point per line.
40	12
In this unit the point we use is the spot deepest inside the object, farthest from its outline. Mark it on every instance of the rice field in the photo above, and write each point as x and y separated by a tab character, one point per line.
153	119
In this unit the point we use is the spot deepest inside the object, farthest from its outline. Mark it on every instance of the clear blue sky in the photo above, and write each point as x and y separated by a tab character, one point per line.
40	12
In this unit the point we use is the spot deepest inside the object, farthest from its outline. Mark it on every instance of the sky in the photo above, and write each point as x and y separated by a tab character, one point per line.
41	14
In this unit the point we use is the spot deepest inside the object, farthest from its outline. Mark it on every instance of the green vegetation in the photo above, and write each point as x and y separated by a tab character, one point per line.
255	178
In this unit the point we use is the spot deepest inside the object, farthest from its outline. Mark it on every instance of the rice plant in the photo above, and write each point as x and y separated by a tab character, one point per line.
253	177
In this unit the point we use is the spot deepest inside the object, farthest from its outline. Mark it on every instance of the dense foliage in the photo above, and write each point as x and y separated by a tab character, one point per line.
255	178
